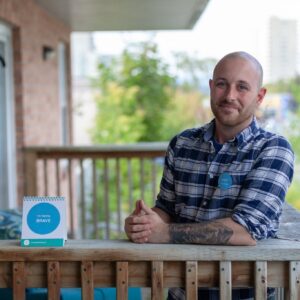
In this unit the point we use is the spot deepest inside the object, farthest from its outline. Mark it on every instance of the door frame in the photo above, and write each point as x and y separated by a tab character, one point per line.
6	38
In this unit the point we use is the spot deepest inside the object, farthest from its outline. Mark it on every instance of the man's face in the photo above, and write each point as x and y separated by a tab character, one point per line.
235	92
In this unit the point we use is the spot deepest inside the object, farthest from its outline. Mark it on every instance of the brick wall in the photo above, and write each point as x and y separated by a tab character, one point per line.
37	107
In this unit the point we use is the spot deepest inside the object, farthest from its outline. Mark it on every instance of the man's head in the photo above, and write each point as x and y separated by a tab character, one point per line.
236	90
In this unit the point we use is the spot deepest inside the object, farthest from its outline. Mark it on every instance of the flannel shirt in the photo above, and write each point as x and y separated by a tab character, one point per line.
246	179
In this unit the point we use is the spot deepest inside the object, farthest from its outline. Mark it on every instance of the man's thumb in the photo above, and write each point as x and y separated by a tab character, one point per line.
145	208
138	207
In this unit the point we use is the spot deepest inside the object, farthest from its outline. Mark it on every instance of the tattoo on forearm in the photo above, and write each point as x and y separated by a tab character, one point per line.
213	233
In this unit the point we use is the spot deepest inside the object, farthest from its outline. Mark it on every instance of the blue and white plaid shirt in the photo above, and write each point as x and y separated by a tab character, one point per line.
246	179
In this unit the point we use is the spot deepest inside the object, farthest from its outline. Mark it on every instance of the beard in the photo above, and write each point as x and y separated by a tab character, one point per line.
231	114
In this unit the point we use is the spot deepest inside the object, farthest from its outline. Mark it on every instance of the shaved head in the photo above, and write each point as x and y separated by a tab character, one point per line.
246	56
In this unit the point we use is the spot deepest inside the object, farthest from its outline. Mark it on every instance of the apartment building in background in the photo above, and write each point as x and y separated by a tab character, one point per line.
282	49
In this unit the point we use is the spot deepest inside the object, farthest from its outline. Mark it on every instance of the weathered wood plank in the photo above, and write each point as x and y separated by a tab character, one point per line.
117	250
260	280
157	280
122	280
191	280
140	274
53	280
290	222
19	280
87	280
294	286
225	280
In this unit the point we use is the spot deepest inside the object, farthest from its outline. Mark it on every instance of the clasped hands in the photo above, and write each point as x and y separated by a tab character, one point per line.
144	225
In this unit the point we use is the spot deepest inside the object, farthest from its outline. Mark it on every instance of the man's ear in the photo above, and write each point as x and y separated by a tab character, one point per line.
261	94
210	83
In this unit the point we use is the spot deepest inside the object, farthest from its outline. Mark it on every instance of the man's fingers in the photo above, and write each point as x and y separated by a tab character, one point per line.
141	241
140	220
138	228
140	235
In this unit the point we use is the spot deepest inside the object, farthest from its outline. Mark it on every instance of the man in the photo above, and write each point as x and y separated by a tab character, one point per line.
223	183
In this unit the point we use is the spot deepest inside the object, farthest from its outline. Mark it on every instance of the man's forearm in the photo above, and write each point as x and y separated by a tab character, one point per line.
218	232
213	233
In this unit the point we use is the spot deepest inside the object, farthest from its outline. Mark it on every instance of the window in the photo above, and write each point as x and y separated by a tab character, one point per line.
7	122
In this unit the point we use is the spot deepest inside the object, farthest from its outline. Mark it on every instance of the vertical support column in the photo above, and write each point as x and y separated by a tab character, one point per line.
30	173
106	199
19	278
225	280
119	196
294	280
95	201
82	201
191	280
122	280
71	198
261	280
45	170
53	274
87	280
157	280
57	175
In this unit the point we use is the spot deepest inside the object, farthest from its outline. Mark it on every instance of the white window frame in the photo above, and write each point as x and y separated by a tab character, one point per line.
10	134
63	94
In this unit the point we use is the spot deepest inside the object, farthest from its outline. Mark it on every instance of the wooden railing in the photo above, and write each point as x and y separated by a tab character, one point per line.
89	264
100	183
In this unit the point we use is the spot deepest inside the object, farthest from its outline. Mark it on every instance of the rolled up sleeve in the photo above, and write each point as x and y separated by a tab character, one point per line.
166	197
263	193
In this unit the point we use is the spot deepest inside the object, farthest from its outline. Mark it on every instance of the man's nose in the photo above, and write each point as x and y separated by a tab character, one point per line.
231	92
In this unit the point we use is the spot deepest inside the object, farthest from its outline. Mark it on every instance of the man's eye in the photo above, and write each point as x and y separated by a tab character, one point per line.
243	87
220	84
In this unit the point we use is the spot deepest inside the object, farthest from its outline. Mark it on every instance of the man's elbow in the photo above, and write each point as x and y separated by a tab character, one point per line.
242	240
251	242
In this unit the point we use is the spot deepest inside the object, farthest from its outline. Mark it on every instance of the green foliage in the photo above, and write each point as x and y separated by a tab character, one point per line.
194	71
293	195
287	86
291	86
135	92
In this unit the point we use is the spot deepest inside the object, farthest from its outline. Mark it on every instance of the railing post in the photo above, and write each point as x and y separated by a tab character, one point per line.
261	280
294	280
225	280
30	180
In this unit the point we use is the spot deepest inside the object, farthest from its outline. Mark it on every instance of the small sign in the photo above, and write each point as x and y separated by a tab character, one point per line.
44	222
225	181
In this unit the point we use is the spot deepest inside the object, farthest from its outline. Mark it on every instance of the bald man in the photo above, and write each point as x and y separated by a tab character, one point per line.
223	183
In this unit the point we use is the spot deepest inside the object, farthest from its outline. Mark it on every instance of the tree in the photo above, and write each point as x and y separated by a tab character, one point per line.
135	92
138	101
291	86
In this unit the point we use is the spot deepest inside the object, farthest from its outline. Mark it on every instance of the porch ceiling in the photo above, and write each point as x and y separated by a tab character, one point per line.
106	15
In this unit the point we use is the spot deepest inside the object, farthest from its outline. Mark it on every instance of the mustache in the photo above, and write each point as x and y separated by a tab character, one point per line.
229	102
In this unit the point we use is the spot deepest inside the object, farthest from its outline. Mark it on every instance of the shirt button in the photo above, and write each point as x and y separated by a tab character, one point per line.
211	176
204	203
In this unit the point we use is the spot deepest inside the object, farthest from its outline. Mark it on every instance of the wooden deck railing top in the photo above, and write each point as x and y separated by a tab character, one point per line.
121	264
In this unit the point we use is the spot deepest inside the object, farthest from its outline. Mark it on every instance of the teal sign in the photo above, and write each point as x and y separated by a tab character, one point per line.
43	218
225	181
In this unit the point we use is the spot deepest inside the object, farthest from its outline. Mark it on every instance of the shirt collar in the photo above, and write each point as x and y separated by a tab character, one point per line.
241	139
